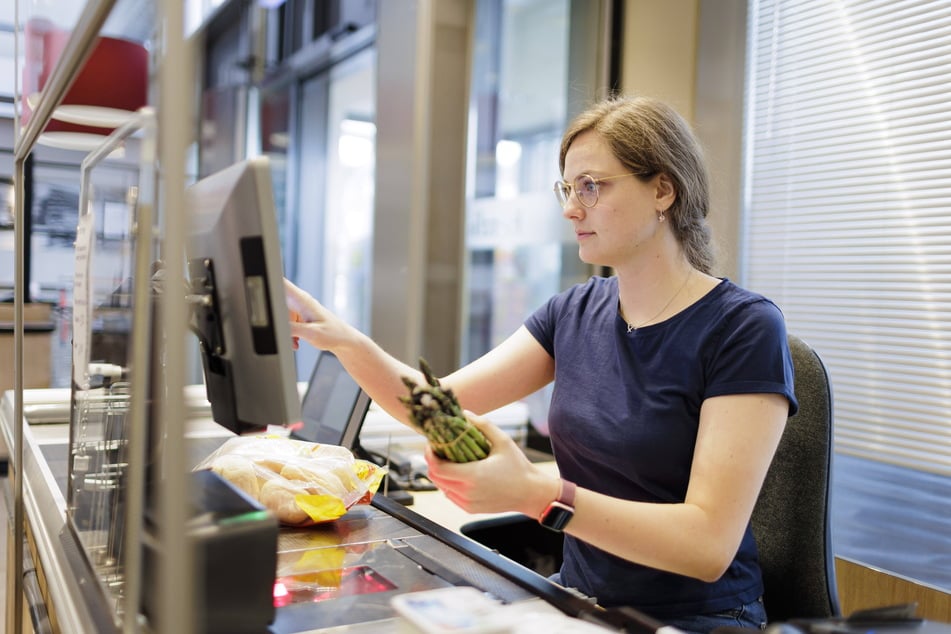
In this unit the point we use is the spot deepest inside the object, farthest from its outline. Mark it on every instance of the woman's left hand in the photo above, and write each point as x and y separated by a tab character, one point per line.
505	481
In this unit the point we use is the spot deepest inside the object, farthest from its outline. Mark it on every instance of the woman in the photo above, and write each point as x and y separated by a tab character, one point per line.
671	386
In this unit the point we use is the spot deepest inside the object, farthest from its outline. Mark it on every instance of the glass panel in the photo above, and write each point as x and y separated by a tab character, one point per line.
336	142
43	30
348	192
44	27
7	48
53	232
520	251
98	255
275	139
7	244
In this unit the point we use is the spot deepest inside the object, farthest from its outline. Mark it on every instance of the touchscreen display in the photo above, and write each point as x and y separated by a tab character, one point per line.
330	404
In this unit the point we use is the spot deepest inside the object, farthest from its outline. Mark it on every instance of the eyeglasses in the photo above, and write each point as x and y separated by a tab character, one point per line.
585	187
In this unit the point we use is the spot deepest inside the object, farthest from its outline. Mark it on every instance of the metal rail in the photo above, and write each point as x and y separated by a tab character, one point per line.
176	96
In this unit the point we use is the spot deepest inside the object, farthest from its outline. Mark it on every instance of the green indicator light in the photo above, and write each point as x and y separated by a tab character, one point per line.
251	516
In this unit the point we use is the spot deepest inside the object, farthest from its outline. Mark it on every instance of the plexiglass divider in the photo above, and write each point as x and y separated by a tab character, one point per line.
124	403
111	379
78	47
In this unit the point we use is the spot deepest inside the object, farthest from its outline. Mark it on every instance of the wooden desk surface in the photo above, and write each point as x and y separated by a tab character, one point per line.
436	506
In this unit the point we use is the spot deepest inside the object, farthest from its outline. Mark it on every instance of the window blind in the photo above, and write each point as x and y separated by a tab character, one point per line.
847	208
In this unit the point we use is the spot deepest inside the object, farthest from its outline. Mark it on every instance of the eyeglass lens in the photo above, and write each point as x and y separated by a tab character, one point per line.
585	188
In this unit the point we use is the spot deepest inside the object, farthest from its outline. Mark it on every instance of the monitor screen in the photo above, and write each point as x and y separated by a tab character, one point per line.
333	407
236	290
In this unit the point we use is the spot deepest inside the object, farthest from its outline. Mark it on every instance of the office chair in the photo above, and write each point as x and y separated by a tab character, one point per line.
791	519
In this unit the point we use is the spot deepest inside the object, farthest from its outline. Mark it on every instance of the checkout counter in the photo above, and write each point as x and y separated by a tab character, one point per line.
339	576
344	576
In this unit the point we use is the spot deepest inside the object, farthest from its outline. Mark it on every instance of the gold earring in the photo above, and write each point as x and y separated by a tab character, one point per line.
661	217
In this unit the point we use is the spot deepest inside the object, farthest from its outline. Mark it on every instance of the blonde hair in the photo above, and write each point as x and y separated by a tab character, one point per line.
649	138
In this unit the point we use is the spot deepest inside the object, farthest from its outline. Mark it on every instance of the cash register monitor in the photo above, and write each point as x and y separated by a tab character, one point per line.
333	407
236	291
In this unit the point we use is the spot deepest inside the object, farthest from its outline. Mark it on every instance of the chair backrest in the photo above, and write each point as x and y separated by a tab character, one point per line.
791	520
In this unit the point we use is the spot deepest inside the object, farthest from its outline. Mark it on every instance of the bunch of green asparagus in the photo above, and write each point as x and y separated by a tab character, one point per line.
436	414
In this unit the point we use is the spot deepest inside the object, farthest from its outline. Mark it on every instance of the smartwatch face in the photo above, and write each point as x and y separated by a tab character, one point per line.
557	516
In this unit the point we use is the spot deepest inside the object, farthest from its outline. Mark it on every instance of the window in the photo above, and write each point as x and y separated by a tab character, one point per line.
848	219
520	250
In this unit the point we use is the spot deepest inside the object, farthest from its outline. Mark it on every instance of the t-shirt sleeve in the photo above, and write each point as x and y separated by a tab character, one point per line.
541	324
753	355
573	305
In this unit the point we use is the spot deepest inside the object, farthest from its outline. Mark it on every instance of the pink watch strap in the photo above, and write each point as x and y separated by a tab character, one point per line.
567	494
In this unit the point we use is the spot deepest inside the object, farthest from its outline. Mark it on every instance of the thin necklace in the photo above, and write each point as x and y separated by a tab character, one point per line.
631	327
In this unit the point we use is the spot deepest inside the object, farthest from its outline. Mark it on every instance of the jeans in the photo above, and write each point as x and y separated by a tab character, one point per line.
751	615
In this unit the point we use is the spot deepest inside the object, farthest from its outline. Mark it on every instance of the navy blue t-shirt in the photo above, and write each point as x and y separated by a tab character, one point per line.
624	416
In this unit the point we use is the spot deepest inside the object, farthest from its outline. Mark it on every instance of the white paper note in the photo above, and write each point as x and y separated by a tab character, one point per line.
82	300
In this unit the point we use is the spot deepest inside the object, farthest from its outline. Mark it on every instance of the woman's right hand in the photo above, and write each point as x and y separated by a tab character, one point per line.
380	374
311	321
503	482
